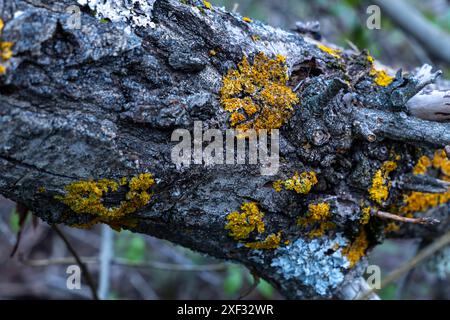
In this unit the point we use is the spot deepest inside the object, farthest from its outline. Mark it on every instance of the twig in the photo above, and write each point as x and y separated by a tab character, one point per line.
127	263
387	215
406	129
78	260
419	258
256	281
23	213
106	255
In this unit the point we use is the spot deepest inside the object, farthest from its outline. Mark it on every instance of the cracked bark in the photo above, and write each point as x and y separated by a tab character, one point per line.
98	102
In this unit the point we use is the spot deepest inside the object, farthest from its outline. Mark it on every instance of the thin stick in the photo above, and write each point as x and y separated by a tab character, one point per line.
387	215
411	264
106	255
80	263
126	263
256	281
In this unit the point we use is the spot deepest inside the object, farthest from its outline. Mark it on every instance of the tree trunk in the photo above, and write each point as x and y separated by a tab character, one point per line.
99	99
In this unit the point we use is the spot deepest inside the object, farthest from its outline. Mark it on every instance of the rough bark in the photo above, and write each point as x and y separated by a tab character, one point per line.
102	102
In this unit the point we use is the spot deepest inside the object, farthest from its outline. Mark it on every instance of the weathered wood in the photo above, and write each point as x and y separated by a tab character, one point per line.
102	101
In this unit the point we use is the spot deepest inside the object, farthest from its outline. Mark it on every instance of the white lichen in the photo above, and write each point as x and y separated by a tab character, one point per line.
318	263
137	12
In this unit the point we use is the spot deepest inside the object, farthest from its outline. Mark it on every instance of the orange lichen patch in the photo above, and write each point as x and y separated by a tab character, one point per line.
300	183
381	78
247	19
422	165
331	51
441	162
86	197
365	215
241	224
357	249
379	191
256	94
5	50
272	241
420	201
318	216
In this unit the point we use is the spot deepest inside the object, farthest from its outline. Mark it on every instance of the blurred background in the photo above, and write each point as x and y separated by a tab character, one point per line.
142	267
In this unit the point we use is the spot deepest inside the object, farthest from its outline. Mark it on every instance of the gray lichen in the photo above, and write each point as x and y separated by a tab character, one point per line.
137	12
318	263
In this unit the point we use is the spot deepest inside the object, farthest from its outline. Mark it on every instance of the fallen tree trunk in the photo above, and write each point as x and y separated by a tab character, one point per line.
89	103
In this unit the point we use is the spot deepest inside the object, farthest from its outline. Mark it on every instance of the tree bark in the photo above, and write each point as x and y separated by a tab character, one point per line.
101	102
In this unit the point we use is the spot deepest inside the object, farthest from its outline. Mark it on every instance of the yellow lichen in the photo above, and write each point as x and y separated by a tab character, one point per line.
381	78
422	165
318	216
357	249
241	224
5	50
365	215
277	185
212	52
86	197
379	191
41	189
250	219
331	51
247	19
300	183
207	5
441	162
256	94
421	201
123	181
320	211
272	241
